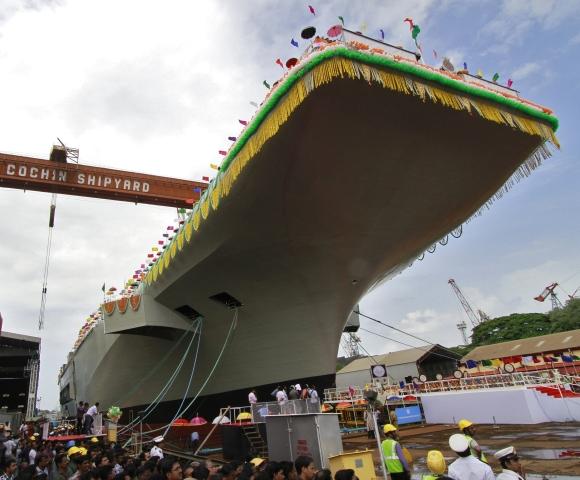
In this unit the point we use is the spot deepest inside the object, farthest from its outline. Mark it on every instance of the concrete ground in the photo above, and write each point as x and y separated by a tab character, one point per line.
543	448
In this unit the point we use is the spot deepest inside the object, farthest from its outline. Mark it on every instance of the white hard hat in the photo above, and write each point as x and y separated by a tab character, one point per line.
504	452
158	439
458	443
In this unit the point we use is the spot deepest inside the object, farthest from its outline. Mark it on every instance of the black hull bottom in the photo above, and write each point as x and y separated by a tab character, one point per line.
208	406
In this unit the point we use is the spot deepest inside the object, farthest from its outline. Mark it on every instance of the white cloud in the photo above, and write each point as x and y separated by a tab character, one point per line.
525	71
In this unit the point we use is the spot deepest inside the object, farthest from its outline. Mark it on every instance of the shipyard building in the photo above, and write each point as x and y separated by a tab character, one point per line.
19	369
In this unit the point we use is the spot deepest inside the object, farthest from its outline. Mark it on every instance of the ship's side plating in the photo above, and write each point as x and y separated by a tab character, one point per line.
354	185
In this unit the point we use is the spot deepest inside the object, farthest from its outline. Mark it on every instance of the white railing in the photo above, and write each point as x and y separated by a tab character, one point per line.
234	412
337	395
290	407
504	380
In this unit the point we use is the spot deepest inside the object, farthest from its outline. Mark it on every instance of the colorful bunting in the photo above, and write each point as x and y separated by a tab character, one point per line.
495	77
279	62
479	73
266	84
567	358
464	65
341	20
471	363
382	33
243	122
214	166
223	152
205	179
294	43
254	104
510	82
311	8
233	139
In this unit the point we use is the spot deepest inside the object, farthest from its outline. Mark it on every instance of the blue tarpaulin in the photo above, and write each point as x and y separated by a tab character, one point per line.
408	415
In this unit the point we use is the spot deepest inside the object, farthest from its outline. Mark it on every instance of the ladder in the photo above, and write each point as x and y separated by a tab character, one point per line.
257	445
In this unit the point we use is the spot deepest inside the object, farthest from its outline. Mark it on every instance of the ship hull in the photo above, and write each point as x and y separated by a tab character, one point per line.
355	184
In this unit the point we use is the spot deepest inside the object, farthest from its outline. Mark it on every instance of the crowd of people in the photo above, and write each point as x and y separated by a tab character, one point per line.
283	394
29	458
25	456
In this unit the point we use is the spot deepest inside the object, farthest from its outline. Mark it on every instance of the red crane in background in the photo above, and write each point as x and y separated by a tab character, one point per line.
549	291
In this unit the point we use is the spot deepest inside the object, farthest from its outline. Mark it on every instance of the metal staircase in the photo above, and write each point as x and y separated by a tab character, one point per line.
257	445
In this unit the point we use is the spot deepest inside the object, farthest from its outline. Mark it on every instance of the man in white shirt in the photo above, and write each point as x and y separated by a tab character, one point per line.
156	450
313	395
510	463
252	398
281	396
90	418
467	467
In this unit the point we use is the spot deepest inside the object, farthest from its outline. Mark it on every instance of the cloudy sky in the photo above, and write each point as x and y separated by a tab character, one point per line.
158	86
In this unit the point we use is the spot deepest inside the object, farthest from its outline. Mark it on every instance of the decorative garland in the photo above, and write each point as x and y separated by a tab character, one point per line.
389	72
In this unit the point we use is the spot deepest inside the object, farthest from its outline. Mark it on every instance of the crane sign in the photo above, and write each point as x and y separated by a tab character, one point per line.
549	291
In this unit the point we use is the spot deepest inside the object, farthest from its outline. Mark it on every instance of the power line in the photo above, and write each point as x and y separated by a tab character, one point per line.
401	331
412	346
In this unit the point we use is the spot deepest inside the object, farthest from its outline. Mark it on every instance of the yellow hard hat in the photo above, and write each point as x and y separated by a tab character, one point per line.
32	439
94	440
389	428
73	450
83	451
464	424
436	462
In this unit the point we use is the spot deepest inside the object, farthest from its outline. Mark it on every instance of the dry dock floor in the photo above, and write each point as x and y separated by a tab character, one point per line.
540	446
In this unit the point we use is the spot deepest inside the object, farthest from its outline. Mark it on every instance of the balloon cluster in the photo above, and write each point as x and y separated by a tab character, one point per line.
114	413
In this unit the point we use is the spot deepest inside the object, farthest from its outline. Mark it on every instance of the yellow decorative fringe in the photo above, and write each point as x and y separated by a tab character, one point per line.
339	67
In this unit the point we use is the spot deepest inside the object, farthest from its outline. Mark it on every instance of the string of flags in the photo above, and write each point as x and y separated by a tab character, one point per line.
524	360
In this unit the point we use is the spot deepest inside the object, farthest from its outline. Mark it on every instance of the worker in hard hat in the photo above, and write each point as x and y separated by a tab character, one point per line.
468	429
436	465
510	463
467	466
395	460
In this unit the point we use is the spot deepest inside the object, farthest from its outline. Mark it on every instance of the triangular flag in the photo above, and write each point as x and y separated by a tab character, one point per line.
254	104
495	77
382	33
464	65
243	122
266	84
510	82
214	166
311	8
479	73
294	42
233	139
341	20
223	152
279	62
103	288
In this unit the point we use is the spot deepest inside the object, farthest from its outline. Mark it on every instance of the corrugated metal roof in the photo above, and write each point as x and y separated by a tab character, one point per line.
400	357
555	342
19	336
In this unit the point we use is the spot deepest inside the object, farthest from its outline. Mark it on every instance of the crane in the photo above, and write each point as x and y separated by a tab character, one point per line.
56	175
474	318
549	292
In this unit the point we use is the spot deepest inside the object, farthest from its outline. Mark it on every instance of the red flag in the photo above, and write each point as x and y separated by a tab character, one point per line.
205	179
279	62
311	8
243	122
223	152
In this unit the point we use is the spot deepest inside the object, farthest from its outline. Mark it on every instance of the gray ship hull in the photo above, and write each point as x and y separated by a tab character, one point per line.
355	184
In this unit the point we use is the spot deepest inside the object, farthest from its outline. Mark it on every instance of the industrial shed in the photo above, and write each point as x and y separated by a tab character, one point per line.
401	365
